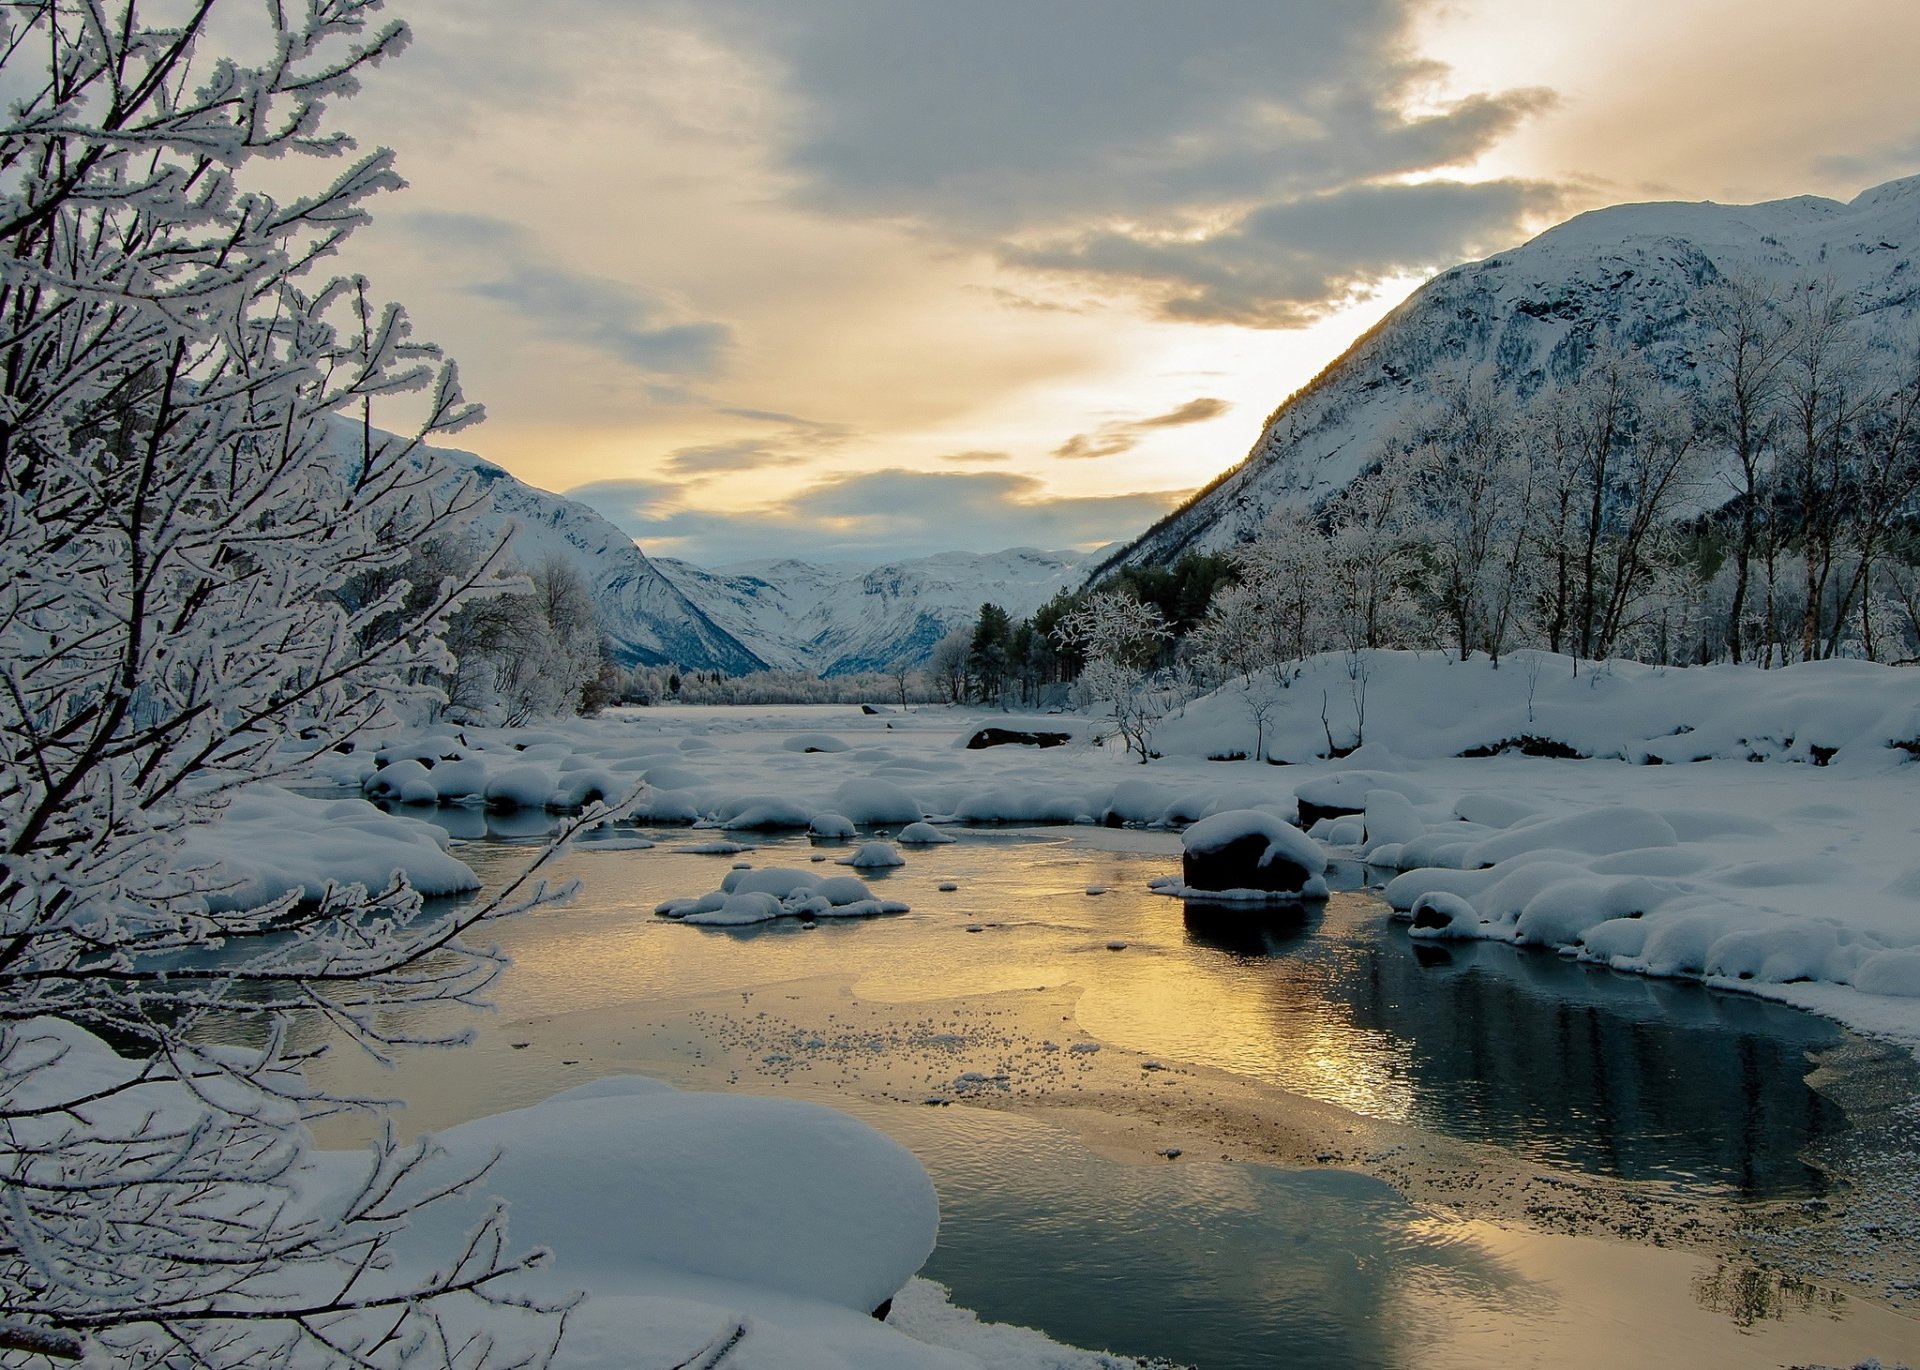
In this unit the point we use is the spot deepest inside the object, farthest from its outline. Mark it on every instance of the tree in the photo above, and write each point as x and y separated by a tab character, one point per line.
990	653
1747	333
190	485
948	665
1825	397
1121	637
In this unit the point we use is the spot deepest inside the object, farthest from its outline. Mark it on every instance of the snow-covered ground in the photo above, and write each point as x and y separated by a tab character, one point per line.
1773	851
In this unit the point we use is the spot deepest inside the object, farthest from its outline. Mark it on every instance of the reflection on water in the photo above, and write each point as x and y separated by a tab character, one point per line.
1611	1074
1614	1074
1240	1265
1750	1294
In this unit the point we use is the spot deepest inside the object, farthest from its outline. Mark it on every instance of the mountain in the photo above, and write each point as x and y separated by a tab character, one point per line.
837	620
1530	315
646	618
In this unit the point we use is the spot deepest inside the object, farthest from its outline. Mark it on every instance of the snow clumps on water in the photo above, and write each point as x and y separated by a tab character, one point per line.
873	856
1619	886
923	835
758	896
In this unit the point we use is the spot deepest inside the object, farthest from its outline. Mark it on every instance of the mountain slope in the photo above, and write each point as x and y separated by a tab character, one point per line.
835	620
645	617
1531	314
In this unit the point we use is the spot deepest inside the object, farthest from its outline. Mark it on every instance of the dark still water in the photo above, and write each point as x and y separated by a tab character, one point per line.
1613	1074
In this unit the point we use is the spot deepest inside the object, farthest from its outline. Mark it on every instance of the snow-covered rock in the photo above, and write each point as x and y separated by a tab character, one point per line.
270	842
1245	852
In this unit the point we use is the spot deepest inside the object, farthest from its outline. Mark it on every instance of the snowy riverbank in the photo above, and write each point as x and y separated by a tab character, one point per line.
1783	860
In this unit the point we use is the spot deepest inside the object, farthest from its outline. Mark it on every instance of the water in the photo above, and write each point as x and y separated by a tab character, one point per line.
1609	1074
1215	1264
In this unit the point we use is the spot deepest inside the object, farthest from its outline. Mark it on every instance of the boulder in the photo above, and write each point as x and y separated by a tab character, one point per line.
1014	737
1246	849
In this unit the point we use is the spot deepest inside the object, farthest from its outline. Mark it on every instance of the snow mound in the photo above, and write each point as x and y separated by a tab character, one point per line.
749	896
618	1183
869	802
270	842
922	835
874	856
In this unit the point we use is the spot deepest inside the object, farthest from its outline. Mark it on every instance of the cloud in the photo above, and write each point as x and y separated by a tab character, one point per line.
616	318
1287	264
1888	161
1123	435
976	456
744	454
876	516
1135	146
799	440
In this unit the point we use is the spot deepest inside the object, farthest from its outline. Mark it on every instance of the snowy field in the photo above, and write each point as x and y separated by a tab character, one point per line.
1772	853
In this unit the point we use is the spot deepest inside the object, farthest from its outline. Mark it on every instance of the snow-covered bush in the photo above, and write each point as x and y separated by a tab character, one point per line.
186	517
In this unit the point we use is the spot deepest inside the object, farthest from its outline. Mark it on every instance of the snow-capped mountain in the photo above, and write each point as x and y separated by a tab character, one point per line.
1531	314
645	617
838	620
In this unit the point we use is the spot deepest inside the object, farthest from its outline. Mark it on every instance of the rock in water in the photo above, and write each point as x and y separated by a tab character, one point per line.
1246	849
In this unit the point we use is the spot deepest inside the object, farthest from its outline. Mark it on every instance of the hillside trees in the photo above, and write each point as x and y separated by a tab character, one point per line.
181	510
1748	332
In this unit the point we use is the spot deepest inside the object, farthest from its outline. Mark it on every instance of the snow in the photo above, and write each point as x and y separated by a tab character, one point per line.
271	843
838	620
922	835
874	856
664	1207
875	801
1283	839
750	896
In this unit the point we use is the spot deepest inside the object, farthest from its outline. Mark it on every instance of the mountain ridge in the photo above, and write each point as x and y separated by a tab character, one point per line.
1530	314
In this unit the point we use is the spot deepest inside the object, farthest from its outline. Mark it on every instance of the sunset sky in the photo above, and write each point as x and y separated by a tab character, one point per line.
862	279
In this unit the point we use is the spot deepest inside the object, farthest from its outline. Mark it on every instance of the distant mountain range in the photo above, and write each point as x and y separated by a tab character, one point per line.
779	615
840	620
1528	317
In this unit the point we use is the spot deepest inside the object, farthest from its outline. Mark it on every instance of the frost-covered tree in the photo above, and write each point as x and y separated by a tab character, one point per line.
1121	639
190	482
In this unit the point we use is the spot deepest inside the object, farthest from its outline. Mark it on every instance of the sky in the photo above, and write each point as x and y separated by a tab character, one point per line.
867	279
